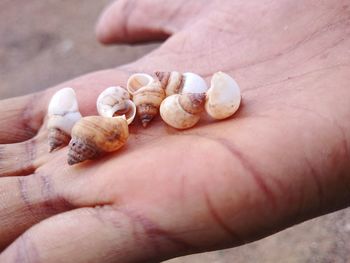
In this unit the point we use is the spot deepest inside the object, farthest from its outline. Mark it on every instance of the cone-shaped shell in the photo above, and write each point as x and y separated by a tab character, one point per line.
115	101
182	111
63	113
223	97
95	135
57	139
147	95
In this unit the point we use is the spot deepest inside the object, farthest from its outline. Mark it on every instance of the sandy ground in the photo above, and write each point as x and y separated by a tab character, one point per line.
43	43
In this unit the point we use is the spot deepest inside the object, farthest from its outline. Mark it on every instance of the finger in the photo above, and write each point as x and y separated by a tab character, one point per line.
21	118
26	201
25	157
100	234
128	21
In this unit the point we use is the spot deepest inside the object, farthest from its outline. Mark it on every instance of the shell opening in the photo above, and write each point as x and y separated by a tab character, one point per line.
137	81
128	112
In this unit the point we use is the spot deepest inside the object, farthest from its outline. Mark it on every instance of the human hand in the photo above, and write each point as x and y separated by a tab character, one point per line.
283	158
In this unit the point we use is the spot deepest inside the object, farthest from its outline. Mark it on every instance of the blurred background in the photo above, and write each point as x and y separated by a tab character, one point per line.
43	43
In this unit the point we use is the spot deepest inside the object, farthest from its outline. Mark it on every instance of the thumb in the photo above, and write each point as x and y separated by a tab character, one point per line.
132	21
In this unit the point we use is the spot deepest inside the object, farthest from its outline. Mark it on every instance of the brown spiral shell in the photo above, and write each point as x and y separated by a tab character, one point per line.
147	95
94	135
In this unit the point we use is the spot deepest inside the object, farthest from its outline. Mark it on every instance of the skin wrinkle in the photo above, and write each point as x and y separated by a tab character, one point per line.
30	149
316	178
52	201
313	173
24	155
102	216
337	66
219	221
27	118
332	123
324	50
105	214
299	208
341	175
344	141
256	175
23	190
26	251
48	204
154	232
343	144
116	223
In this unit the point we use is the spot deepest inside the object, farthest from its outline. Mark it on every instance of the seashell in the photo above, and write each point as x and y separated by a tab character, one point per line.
223	97
182	111
95	135
63	113
115	101
171	82
177	83
147	94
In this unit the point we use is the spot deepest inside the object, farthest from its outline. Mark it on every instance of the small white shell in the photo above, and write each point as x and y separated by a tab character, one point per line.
193	83
223	97
115	101
64	122
63	110
63	101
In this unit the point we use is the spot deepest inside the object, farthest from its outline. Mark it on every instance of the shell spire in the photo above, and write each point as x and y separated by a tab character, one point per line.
63	113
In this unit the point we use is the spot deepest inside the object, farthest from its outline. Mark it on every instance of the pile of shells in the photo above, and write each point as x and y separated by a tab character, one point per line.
179	98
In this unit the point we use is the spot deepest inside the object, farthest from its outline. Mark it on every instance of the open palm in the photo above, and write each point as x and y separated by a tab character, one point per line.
283	158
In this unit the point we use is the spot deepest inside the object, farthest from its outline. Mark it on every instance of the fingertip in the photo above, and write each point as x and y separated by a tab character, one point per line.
120	24
102	35
105	29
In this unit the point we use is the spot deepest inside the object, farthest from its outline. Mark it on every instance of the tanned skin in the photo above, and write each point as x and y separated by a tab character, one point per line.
282	159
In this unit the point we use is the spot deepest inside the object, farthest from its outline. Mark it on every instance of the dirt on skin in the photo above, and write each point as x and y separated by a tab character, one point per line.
43	43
